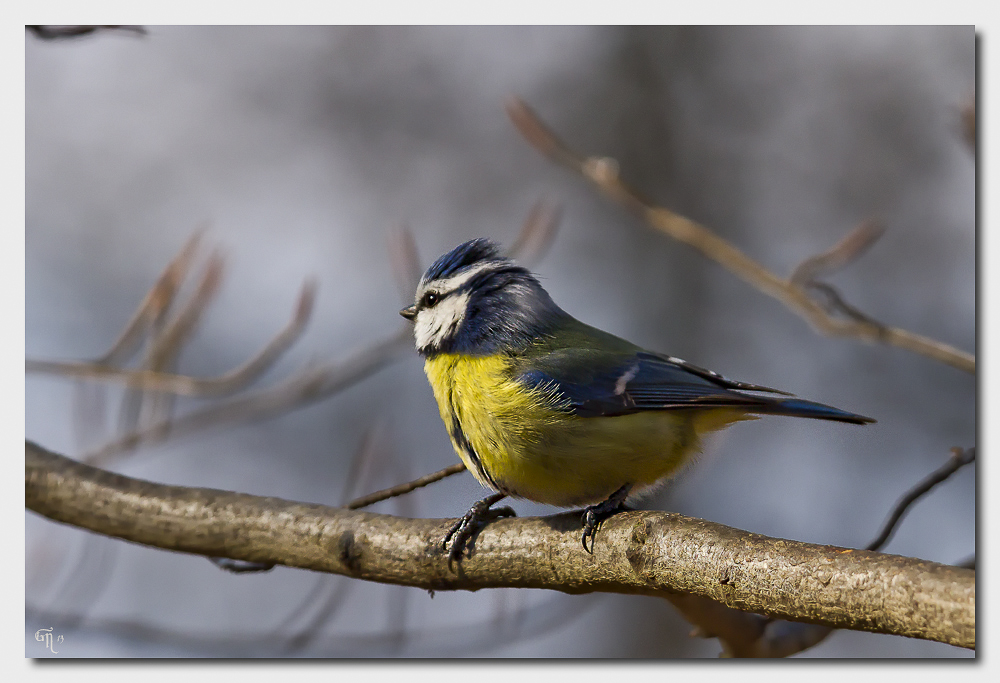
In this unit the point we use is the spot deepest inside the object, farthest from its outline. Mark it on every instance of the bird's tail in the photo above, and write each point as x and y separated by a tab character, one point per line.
797	407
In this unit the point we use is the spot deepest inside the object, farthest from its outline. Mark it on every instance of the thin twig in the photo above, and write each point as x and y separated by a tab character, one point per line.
165	348
155	304
835	302
140	408
603	173
405	262
312	385
958	459
847	250
147	322
68	32
852	246
306	388
360	470
537	232
385	494
234	380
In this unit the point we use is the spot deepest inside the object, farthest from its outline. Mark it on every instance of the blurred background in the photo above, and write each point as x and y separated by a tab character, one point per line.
300	151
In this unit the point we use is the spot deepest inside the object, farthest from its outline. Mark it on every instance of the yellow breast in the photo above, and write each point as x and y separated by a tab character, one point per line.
518	441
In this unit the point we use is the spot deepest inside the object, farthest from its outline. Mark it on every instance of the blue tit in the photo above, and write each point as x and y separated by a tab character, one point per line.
541	406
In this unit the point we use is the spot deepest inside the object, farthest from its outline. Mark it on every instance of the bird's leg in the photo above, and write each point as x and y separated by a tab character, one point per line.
462	531
595	514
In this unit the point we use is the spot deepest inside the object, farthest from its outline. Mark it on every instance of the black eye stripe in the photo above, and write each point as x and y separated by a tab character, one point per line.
487	281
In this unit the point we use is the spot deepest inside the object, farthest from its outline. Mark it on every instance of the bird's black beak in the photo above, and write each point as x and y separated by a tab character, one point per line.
410	312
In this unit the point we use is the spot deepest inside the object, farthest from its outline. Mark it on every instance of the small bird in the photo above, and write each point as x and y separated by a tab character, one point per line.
540	406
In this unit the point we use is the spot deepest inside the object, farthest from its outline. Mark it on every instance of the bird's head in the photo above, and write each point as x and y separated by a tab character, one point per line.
475	301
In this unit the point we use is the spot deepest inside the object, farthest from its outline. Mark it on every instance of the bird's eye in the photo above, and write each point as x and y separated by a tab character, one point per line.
430	299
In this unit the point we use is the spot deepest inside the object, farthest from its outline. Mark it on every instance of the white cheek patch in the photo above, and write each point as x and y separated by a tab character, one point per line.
435	325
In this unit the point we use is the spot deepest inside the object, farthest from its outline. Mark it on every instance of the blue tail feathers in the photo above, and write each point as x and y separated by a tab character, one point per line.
798	407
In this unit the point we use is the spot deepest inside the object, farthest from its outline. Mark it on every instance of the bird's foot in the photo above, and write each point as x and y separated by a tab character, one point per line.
469	524
595	514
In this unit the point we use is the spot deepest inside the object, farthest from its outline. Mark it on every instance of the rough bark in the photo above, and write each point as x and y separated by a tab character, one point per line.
639	552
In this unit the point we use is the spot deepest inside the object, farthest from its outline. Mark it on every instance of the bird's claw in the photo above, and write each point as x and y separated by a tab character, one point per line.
468	525
590	524
595	514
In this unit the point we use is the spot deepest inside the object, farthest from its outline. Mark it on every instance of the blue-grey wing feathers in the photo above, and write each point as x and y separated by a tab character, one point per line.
594	385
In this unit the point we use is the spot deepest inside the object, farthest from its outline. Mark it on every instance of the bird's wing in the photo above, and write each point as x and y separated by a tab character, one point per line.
593	383
592	374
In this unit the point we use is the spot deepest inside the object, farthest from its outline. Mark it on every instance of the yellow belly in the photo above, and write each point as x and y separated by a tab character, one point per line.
527	449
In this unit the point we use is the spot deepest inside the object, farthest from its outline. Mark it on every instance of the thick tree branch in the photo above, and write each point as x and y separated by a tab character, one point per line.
650	553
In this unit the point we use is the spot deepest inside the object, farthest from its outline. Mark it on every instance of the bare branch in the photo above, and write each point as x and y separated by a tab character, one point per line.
537	233
67	32
834	302
309	386
166	346
639	552
603	173
959	458
399	490
234	380
405	263
361	464
155	305
847	250
743	634
852	246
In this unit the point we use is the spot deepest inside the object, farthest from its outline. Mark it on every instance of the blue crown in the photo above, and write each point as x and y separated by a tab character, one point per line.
463	256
